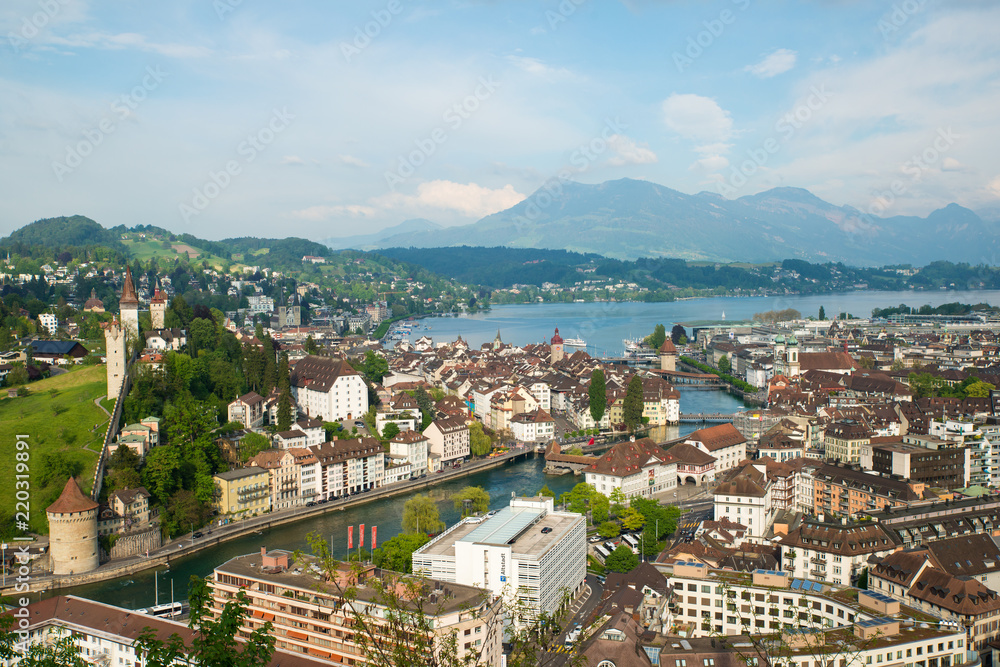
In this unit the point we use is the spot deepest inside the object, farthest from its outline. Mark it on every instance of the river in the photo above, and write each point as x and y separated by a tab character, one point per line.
523	477
603	325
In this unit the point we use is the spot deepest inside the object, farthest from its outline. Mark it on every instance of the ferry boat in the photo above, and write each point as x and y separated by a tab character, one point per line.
575	342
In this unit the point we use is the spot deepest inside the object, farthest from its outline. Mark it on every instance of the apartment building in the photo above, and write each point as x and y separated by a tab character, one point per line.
849	490
329	389
349	466
448	439
834	552
312	614
724	442
107	635
242	492
843	440
283	476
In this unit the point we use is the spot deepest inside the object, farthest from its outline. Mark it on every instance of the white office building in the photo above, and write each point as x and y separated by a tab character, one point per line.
525	551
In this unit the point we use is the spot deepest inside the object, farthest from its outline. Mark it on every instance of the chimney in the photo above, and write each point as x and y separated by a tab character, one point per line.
263	551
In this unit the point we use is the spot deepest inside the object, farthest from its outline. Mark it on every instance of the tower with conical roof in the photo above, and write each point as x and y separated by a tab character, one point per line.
128	306
158	308
73	531
556	352
668	356
497	343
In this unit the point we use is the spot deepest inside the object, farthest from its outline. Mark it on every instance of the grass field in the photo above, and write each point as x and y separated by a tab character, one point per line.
146	249
58	416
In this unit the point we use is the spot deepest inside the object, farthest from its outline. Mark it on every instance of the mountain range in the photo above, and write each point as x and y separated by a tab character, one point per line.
629	218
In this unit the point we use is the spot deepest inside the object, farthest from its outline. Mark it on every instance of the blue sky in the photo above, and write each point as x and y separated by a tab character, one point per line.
318	119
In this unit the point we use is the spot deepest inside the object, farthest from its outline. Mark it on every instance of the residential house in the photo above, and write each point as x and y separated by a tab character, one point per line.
724	442
448	438
242	492
637	467
248	410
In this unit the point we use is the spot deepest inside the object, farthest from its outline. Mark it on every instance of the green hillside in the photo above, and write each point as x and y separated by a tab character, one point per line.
65	432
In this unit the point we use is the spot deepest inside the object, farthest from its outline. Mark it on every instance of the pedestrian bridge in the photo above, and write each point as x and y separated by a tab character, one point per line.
705	418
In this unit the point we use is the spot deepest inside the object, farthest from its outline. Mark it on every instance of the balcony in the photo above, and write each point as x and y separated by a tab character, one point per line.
819	574
818	561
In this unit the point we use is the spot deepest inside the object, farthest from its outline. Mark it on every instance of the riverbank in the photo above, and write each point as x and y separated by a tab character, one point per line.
184	547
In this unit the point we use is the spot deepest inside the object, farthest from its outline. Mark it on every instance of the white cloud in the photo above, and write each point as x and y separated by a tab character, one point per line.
129	40
696	117
536	67
710	163
293	160
994	187
627	151
323	213
352	161
951	164
469	199
773	64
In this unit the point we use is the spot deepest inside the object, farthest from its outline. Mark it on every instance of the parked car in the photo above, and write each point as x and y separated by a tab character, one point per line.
198	534
547	529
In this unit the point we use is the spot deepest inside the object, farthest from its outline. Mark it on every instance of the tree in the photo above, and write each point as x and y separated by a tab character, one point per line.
284	410
599	505
633	403
546	491
478	500
621	559
310	345
598	393
375	367
979	389
421	515
724	364
658	337
822	313
253	444
633	519
479	443
578	498
609	529
62	653
396	554
390	431
618	501
215	640
866	362
677	334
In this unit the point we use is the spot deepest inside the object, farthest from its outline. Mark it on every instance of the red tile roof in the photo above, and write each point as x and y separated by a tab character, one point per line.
71	500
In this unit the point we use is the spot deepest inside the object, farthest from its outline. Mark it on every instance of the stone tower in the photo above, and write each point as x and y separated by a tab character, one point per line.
114	342
497	343
668	356
158	308
128	306
73	531
556	352
780	367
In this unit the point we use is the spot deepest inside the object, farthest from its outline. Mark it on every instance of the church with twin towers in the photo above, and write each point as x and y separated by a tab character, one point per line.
125	328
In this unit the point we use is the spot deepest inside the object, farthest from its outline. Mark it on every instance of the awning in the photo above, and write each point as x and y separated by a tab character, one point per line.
319	654
297	635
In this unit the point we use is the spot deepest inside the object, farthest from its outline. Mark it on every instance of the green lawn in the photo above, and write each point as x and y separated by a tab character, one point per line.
58	416
146	249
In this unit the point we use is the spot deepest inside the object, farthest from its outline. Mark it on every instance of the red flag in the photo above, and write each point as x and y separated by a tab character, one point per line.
350	537
374	533
591	441
361	536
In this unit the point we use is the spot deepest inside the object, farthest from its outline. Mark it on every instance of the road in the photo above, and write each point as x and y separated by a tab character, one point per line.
690	520
581	609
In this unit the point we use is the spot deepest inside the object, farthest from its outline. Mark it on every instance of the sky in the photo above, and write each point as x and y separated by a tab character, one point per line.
320	119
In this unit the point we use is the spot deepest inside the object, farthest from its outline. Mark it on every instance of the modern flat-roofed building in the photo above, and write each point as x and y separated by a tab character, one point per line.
312	614
525	551
107	635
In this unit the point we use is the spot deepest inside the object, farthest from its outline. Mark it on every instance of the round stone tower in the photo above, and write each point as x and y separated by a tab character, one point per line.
668	355
73	531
